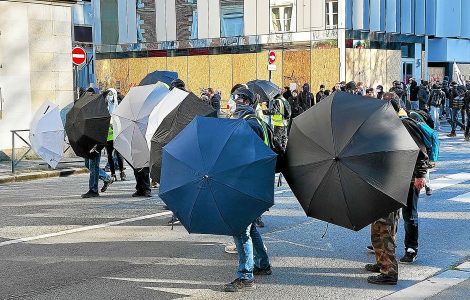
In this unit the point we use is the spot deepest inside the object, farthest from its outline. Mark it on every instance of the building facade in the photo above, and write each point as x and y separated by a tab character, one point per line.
35	61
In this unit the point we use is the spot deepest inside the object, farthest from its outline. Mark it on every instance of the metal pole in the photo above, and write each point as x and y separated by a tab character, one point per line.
12	152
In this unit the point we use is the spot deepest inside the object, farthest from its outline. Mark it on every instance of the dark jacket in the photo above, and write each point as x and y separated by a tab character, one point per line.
242	111
215	102
319	97
295	106
414	89
306	97
399	91
457	97
422	161
436	98
423	96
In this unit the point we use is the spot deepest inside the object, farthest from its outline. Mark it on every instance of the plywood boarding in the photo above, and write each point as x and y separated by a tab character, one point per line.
378	65
325	68
103	73
349	64
120	75
244	67
138	69
220	67
178	64
156	64
393	67
296	67
262	65
198	73
362	60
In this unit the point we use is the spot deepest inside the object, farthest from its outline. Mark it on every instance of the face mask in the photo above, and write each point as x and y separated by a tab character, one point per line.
110	98
232	105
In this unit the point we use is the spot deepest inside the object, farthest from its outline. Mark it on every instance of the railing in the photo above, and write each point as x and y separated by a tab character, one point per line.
14	162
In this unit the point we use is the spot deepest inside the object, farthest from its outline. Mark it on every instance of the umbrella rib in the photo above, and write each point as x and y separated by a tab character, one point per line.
233	188
314	193
194	203
348	211
374	152
355	133
218	210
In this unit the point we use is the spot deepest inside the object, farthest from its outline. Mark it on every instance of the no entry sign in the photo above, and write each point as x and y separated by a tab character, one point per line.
78	56
272	57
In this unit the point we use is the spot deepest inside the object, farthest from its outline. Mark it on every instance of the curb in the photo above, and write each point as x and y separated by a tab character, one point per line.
41	175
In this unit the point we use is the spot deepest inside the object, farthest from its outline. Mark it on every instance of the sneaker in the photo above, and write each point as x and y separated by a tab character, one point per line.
428	191
409	257
142	194
90	194
259	222
107	169
231	249
153	184
240	285
174	221
370	249
258	271
123	176
452	134
383	279
467	138
107	184
374	268
114	177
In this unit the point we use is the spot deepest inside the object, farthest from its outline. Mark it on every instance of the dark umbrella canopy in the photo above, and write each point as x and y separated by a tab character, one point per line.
209	172
87	124
350	160
172	125
159	76
265	89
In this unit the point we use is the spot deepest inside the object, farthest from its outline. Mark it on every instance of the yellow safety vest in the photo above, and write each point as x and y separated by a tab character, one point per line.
278	118
263	125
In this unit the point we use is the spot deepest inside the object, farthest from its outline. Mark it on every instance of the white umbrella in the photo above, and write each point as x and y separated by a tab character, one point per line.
130	120
163	109
47	134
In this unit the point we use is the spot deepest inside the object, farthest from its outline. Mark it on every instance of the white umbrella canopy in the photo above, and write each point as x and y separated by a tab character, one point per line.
163	109
130	121
47	134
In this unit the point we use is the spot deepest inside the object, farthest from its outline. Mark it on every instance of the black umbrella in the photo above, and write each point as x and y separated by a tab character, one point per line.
159	76
350	160
87	123
265	89
173	123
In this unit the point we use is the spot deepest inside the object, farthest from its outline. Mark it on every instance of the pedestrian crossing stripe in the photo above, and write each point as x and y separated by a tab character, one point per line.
448	180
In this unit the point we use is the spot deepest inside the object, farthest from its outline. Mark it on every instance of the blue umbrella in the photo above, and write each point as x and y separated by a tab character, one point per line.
217	176
159	76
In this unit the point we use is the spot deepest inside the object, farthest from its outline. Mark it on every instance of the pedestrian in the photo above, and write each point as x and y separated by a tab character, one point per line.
467	110
383	231
351	87
456	102
214	100
112	99
423	96
370	92
320	95
398	89
92	163
287	93
436	98
252	253
306	97
360	88
414	89
379	91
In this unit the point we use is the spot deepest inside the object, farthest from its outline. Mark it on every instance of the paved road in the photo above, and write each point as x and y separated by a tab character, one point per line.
118	247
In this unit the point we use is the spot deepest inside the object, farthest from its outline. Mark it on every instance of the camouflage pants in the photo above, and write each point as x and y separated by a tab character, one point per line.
383	236
280	134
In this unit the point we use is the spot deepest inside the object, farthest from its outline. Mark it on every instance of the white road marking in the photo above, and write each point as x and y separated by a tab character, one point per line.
85	228
464	198
281	192
431	286
448	180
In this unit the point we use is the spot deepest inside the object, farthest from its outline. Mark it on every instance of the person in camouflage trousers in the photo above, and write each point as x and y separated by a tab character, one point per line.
383	237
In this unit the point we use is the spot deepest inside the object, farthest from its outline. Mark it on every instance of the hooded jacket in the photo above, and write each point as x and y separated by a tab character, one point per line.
422	161
242	111
306	97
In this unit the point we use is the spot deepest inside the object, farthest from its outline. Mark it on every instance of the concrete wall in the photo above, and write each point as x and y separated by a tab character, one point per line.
35	59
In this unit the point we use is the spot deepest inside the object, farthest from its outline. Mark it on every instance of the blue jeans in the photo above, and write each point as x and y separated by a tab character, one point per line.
251	252
455	119
95	173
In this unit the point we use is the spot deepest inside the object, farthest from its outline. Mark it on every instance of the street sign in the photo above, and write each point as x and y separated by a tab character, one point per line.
271	67
78	56
272	57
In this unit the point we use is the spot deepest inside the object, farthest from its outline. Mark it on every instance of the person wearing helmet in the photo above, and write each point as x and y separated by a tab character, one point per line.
351	87
379	92
250	241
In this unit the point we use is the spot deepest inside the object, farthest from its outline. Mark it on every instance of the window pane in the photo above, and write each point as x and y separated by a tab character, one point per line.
282	14
335	7
186	18
276	22
231	18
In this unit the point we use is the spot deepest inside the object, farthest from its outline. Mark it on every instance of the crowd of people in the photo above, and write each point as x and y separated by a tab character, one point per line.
416	105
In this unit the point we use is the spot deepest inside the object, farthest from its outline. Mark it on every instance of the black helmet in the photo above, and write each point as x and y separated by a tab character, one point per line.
177	83
245	94
351	86
380	88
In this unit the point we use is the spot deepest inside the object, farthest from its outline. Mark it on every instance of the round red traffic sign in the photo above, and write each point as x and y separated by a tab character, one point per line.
272	57
78	55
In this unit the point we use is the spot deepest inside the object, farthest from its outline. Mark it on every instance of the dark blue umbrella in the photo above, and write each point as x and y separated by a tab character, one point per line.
159	76
217	176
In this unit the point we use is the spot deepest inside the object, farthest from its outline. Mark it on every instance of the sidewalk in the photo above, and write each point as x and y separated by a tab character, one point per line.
36	169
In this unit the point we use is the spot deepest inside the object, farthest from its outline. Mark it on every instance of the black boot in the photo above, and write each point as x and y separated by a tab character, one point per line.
383	279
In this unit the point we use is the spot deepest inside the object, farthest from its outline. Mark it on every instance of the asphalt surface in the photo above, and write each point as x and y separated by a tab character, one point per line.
75	253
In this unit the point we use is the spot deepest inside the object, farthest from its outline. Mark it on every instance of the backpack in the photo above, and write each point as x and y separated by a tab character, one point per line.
431	141
422	116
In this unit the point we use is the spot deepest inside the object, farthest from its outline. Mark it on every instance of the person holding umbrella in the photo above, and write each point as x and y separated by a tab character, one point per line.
252	256
383	231
112	100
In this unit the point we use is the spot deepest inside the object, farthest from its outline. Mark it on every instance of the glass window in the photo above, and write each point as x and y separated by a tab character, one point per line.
231	18
282	18
331	14
186	19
